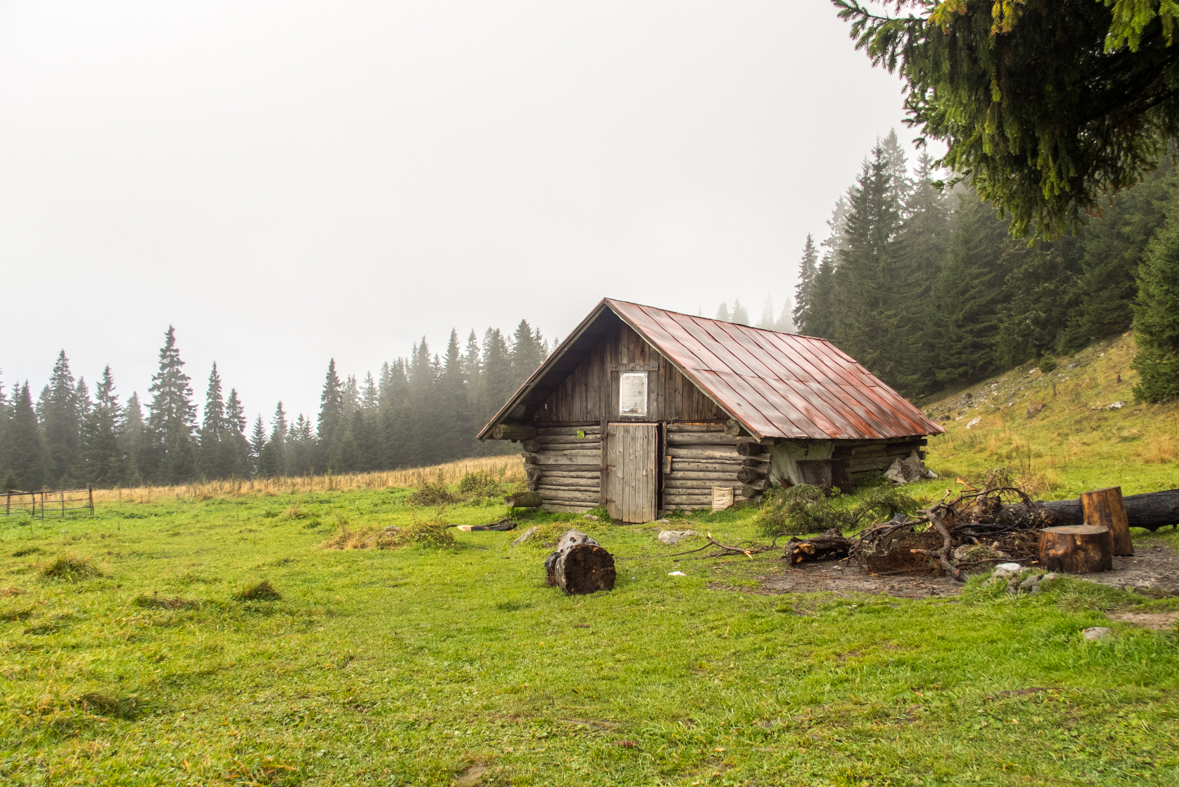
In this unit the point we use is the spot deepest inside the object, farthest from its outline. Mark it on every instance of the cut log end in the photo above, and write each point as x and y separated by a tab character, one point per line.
1076	549
580	565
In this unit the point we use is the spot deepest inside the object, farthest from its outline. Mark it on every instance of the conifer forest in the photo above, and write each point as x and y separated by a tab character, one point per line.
919	280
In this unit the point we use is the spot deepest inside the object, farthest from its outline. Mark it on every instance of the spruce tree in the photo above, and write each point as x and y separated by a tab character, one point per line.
331	411
272	458
808	268
5	436
257	444
133	441
740	315
61	422
821	314
171	418
968	293
1042	293
766	321
214	429
785	321
235	447
1156	315
27	451
104	462
456	425
527	353
1114	243
722	313
865	297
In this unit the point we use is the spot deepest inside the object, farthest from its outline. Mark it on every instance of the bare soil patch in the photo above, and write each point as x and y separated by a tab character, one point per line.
1153	570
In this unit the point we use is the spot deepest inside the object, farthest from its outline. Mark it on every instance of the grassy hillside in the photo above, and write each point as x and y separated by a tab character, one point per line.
1057	431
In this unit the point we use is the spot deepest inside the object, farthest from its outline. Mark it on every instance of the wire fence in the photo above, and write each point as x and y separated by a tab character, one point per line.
56	503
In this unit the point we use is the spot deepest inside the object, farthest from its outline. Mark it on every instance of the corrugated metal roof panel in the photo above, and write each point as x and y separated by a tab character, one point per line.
778	384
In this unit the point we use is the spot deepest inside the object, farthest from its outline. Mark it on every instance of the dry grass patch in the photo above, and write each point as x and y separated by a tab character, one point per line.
68	568
262	591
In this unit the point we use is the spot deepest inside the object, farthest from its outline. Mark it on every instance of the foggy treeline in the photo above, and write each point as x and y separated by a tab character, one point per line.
927	289
422	409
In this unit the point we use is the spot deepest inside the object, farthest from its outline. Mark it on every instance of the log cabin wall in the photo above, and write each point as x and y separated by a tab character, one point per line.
564	463
590	392
870	458
698	458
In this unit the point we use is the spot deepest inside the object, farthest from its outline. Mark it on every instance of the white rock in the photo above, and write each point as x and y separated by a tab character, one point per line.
1097	632
975	422
527	534
676	574
670	537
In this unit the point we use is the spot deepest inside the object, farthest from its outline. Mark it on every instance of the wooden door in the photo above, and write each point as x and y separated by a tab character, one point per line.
632	477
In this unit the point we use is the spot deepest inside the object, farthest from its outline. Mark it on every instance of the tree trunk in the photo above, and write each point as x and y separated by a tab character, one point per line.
1104	508
579	565
1076	549
1148	511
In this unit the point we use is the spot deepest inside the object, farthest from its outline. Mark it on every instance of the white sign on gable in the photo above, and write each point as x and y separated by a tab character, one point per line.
632	394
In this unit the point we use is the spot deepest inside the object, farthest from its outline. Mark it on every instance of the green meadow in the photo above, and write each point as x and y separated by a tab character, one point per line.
132	653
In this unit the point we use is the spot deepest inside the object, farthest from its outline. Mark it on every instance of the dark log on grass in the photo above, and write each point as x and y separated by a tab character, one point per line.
1076	549
524	500
1104	508
1149	511
513	432
579	565
501	525
829	546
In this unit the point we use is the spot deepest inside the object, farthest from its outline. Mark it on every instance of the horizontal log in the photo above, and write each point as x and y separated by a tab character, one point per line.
750	449
592	458
568	508
523	500
698	497
570	496
575	485
730	476
537	446
687	465
681	484
672	428
757	484
513	432
715	452
751	491
567	439
565	472
570	431
700	438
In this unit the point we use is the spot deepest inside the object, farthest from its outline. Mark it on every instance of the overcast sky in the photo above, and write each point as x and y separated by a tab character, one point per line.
287	182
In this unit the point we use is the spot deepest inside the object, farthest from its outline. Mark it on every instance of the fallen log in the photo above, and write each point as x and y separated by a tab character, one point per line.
1148	511
829	546
579	565
503	524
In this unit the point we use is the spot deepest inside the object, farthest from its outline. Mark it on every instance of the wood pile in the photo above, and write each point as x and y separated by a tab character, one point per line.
699	457
564	465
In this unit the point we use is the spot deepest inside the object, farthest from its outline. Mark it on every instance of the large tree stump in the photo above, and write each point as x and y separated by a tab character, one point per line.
1076	549
1104	508
579	565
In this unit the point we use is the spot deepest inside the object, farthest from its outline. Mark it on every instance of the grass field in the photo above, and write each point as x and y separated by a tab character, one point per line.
142	647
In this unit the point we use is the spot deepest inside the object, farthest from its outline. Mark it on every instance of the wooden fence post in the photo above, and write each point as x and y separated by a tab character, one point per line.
63	504
91	490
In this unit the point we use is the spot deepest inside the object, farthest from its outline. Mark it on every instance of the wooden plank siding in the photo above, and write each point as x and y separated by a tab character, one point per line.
590	392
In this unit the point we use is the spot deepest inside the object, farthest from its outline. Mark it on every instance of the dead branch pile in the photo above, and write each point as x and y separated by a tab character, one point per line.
977	528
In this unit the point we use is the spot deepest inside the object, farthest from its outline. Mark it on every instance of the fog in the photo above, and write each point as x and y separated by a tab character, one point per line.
291	182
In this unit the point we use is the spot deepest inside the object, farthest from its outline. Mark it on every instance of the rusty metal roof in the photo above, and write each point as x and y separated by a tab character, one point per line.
774	384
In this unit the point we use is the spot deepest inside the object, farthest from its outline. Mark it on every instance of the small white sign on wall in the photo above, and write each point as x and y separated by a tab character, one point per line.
632	394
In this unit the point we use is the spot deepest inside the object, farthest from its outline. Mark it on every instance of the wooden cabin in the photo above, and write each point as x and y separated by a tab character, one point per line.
642	410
